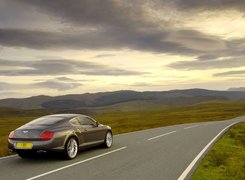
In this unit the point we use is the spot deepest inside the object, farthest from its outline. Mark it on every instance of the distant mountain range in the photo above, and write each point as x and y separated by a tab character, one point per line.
132	98
237	89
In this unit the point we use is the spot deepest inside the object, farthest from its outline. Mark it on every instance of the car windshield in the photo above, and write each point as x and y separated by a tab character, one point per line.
46	120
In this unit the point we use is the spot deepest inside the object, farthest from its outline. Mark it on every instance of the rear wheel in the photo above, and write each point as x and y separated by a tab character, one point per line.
71	148
108	140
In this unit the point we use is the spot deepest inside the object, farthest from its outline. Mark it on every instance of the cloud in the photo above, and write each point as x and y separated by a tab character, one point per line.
98	24
235	47
108	25
196	40
5	86
210	64
142	84
209	5
60	67
231	57
36	39
13	15
110	13
66	79
55	84
104	55
207	57
231	73
58	85
180	42
6	94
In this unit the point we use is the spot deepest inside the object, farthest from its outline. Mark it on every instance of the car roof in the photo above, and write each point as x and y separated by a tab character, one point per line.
52	119
65	115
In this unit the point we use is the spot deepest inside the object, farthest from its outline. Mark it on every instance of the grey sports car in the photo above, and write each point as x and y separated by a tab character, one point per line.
65	133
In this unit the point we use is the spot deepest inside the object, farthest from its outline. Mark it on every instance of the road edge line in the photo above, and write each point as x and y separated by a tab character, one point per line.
74	164
192	164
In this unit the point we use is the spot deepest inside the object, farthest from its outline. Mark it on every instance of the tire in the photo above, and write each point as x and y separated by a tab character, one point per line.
108	140
71	148
26	154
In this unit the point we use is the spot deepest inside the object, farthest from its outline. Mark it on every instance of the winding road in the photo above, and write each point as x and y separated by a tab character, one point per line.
170	153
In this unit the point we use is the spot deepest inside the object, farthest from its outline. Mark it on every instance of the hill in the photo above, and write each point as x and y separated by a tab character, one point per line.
127	98
237	89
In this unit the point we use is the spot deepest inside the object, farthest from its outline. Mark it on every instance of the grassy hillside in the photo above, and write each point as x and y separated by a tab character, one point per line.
122	122
226	160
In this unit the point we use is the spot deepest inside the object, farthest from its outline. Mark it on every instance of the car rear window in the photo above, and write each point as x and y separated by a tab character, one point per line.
46	120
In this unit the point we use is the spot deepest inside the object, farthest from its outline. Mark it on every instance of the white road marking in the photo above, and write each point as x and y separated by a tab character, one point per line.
161	135
5	157
191	165
189	127
74	164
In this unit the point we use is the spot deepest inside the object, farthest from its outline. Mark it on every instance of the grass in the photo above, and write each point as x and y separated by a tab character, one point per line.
226	160
122	122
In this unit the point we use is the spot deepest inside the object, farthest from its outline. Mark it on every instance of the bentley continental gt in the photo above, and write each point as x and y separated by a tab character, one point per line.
64	133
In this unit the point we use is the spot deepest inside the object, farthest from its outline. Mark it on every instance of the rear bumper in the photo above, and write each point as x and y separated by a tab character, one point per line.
49	145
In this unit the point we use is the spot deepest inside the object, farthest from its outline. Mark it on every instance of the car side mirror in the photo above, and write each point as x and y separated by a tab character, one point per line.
97	123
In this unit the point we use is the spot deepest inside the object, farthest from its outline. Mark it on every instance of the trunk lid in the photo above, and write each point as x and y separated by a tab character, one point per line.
28	132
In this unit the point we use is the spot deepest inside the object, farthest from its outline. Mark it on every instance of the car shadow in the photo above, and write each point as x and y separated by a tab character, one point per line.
57	156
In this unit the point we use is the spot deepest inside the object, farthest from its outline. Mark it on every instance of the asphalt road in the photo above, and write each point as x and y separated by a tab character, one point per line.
169	153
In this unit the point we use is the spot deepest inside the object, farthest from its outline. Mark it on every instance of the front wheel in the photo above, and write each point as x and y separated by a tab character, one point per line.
71	148
108	140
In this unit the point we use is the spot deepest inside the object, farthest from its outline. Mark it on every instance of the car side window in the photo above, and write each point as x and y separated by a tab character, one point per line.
86	121
75	122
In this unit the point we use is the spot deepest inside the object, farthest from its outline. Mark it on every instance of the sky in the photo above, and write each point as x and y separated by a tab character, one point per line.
56	47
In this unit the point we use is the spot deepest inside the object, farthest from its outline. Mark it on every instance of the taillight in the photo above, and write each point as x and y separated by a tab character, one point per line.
11	135
46	135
